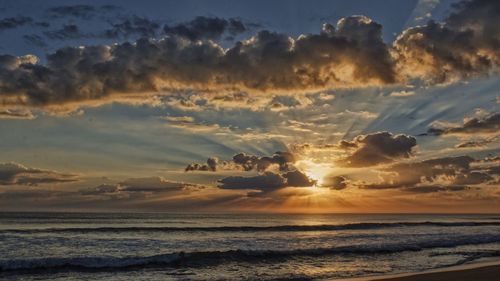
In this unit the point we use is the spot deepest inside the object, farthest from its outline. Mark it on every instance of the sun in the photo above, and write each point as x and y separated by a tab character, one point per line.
315	171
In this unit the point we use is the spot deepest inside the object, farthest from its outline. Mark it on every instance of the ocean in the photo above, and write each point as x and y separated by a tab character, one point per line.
160	246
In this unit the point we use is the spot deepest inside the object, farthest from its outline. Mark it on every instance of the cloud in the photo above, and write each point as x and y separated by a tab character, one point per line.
350	54
476	143
282	159
403	93
70	31
251	162
100	189
211	165
188	123
17	113
493	170
139	185
335	182
133	26
464	45
127	27
490	159
276	171
298	179
79	11
14	22
35	40
435	188
353	54
487	125
267	181
206	28
151	184
468	144
378	148
179	119
439	174
17	174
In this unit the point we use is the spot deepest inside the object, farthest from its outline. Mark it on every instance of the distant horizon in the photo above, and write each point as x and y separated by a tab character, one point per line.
231	213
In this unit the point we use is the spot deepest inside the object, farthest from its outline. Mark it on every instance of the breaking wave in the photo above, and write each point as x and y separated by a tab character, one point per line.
191	259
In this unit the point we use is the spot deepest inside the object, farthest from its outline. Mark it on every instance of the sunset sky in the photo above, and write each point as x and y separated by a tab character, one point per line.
265	106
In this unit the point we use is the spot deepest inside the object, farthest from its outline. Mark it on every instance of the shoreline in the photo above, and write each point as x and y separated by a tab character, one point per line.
481	270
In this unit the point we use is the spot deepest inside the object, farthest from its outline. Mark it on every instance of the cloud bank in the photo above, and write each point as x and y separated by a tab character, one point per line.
350	54
377	148
17	174
490	124
207	28
433	175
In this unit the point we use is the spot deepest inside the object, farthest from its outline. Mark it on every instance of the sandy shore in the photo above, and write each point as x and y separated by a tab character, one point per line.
486	273
483	271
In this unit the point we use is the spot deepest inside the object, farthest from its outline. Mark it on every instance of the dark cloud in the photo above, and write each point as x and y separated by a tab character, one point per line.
464	45
335	182
472	177
435	188
252	162
41	24
347	144
80	11
350	54
100	190
468	144
267	181
493	170
139	185
487	125
475	143
67	32
439	174
133	26
14	22
298	178
17	174
35	40
490	159
130	26
211	165
268	62
151	184
206	28
282	159
378	148
284	173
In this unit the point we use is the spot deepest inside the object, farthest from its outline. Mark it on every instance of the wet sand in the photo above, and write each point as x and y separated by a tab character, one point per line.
482	271
486	273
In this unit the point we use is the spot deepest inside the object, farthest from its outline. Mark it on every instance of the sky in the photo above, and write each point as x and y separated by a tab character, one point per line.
250	106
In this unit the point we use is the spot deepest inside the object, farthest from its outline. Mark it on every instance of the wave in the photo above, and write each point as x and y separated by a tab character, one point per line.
322	227
206	258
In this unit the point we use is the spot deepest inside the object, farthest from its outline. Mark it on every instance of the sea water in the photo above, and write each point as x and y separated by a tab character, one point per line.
160	246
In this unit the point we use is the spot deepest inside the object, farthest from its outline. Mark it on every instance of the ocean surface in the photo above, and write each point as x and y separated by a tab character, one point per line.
77	246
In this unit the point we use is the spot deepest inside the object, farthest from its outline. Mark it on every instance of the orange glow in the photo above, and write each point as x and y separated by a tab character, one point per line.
315	171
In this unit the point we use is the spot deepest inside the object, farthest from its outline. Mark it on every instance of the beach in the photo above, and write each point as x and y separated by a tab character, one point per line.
485	271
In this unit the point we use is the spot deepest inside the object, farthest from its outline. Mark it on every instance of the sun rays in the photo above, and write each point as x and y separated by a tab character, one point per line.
315	171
